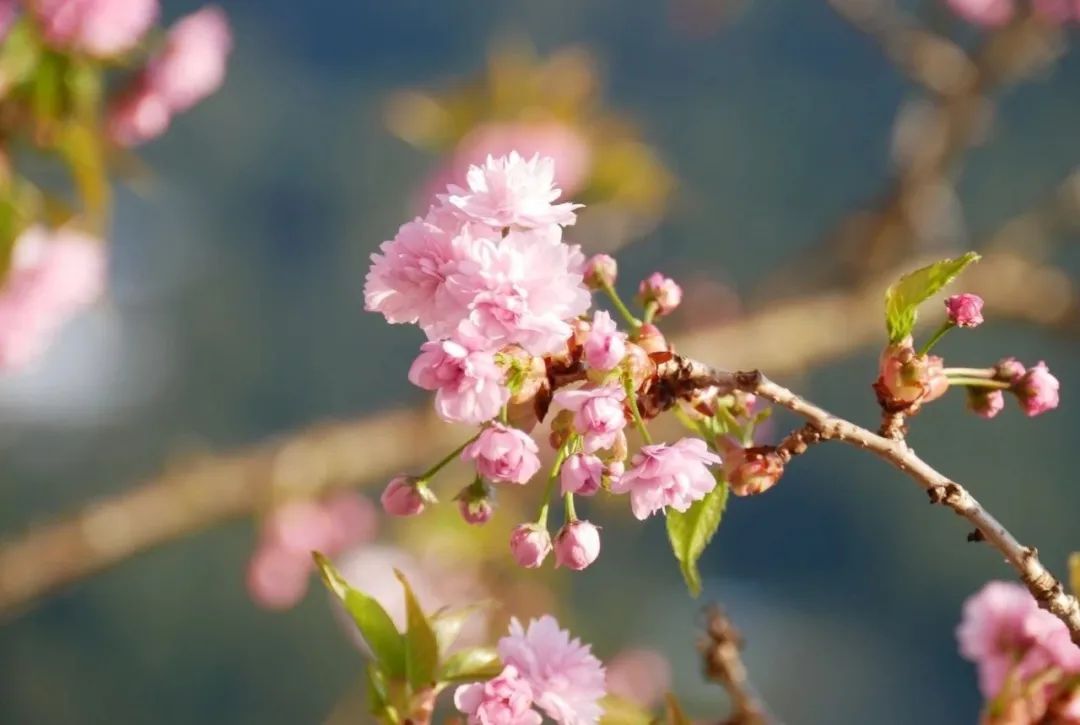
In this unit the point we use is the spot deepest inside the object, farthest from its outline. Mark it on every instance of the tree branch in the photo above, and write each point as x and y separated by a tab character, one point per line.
721	654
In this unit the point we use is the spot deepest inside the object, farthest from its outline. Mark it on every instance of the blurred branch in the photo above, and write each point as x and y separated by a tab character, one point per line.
721	654
198	494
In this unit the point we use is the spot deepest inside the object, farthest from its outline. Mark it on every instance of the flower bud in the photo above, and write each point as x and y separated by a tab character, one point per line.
530	544
751	471
577	545
604	346
965	310
582	474
475	502
601	271
936	380
1009	370
403	497
985	402
1037	390
906	378
661	291
651	339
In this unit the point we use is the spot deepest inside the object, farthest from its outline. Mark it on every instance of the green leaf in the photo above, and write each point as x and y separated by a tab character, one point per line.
422	646
447	623
475	663
386	643
19	53
690	531
903	298
377	697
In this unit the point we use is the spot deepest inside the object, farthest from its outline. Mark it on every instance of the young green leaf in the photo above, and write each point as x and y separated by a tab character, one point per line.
447	624
475	663
690	531
904	297
422	646
386	643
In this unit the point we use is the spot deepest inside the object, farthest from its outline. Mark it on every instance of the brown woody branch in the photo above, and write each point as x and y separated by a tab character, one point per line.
721	654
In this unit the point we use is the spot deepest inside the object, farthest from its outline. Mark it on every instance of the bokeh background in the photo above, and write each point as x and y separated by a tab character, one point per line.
236	314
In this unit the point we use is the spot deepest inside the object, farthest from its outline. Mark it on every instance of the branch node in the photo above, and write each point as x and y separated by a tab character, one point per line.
976	536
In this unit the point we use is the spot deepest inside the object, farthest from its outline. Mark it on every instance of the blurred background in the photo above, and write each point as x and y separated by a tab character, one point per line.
746	148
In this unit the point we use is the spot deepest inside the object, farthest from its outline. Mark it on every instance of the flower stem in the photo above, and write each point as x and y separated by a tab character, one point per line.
650	312
621	307
550	488
945	327
984	373
430	473
631	397
980	383
568	500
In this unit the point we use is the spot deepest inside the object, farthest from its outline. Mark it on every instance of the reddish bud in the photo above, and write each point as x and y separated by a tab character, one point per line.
751	471
662	292
1037	390
906	378
403	497
577	545
651	339
1009	370
985	402
475	503
965	310
530	544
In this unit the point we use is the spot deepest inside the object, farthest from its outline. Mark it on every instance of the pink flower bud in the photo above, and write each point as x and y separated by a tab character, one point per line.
985	402
504	454
601	271
137	116
661	291
100	28
965	310
1037	390
402	497
605	346
651	339
751	471
988	13
475	503
906	378
530	544
577	545
191	66
1009	370
582	474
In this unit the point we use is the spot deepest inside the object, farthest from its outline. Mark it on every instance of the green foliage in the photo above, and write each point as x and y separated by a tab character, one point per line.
422	646
903	298
690	532
386	643
475	663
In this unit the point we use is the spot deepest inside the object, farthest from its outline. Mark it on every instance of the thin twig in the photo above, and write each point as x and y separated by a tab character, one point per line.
721	654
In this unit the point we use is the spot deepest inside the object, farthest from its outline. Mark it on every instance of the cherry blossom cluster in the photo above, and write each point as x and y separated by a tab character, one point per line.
996	13
505	304
544	670
1028	667
910	378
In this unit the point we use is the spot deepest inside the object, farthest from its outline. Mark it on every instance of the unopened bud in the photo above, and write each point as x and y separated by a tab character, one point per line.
1037	390
662	292
530	544
651	339
751	471
577	545
475	502
985	402
965	310
1009	370
601	271
405	496
641	366
906	378
581	474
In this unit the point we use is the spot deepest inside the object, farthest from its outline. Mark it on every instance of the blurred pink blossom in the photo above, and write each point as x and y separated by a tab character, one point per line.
54	275
989	13
8	9
137	115
567	149
97	27
276	577
511	191
191	66
566	679
665	475
642	676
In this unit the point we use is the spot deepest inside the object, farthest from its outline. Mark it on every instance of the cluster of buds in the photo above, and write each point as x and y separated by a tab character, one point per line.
505	304
909	379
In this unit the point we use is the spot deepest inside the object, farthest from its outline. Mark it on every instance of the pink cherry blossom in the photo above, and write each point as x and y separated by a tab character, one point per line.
598	414
407	279
581	474
504	454
566	679
401	497
100	28
577	545
469	383
520	289
663	292
1058	11
191	66
54	275
605	345
1037	390
530	544
137	116
989	13
277	578
510	191
299	527
567	149
664	475
965	310
352	520
504	700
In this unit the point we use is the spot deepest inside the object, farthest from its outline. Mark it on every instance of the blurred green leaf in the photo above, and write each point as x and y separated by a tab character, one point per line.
902	299
378	630
475	663
19	54
691	530
422	646
83	149
447	624
618	711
